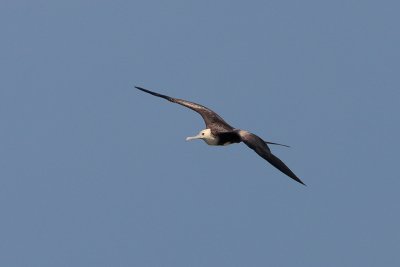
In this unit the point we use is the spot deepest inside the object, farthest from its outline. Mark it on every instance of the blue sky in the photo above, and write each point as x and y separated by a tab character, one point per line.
96	173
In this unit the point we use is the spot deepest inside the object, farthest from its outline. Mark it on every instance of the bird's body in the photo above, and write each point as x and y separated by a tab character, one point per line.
220	133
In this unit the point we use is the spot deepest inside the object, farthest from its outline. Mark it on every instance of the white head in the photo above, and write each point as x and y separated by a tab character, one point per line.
206	135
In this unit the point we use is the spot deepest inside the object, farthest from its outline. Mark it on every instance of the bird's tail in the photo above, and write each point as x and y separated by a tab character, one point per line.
271	143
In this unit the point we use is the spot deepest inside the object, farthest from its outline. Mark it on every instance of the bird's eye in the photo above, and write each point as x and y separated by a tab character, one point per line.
202	133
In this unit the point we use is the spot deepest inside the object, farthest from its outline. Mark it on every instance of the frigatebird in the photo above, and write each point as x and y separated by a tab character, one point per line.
220	133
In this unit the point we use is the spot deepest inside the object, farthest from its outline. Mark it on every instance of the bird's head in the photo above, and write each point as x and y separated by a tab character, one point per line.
206	135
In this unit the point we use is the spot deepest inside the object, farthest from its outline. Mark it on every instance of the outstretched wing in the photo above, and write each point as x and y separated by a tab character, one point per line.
261	148
212	120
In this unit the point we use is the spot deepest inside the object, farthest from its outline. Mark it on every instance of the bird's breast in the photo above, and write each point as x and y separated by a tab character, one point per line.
212	141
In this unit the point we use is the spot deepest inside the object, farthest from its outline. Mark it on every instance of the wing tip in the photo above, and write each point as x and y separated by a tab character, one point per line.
301	182
141	89
153	93
297	179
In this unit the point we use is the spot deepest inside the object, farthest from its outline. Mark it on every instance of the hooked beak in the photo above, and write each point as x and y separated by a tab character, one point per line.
193	137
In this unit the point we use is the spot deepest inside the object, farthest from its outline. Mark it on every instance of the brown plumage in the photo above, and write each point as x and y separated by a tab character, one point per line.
218	132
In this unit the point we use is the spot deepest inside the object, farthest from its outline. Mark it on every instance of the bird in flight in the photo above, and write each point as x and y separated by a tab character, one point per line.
220	133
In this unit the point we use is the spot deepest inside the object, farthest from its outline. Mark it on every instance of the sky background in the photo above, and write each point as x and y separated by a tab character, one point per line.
96	173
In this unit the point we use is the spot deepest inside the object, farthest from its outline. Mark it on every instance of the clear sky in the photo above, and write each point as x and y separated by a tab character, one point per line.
96	173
